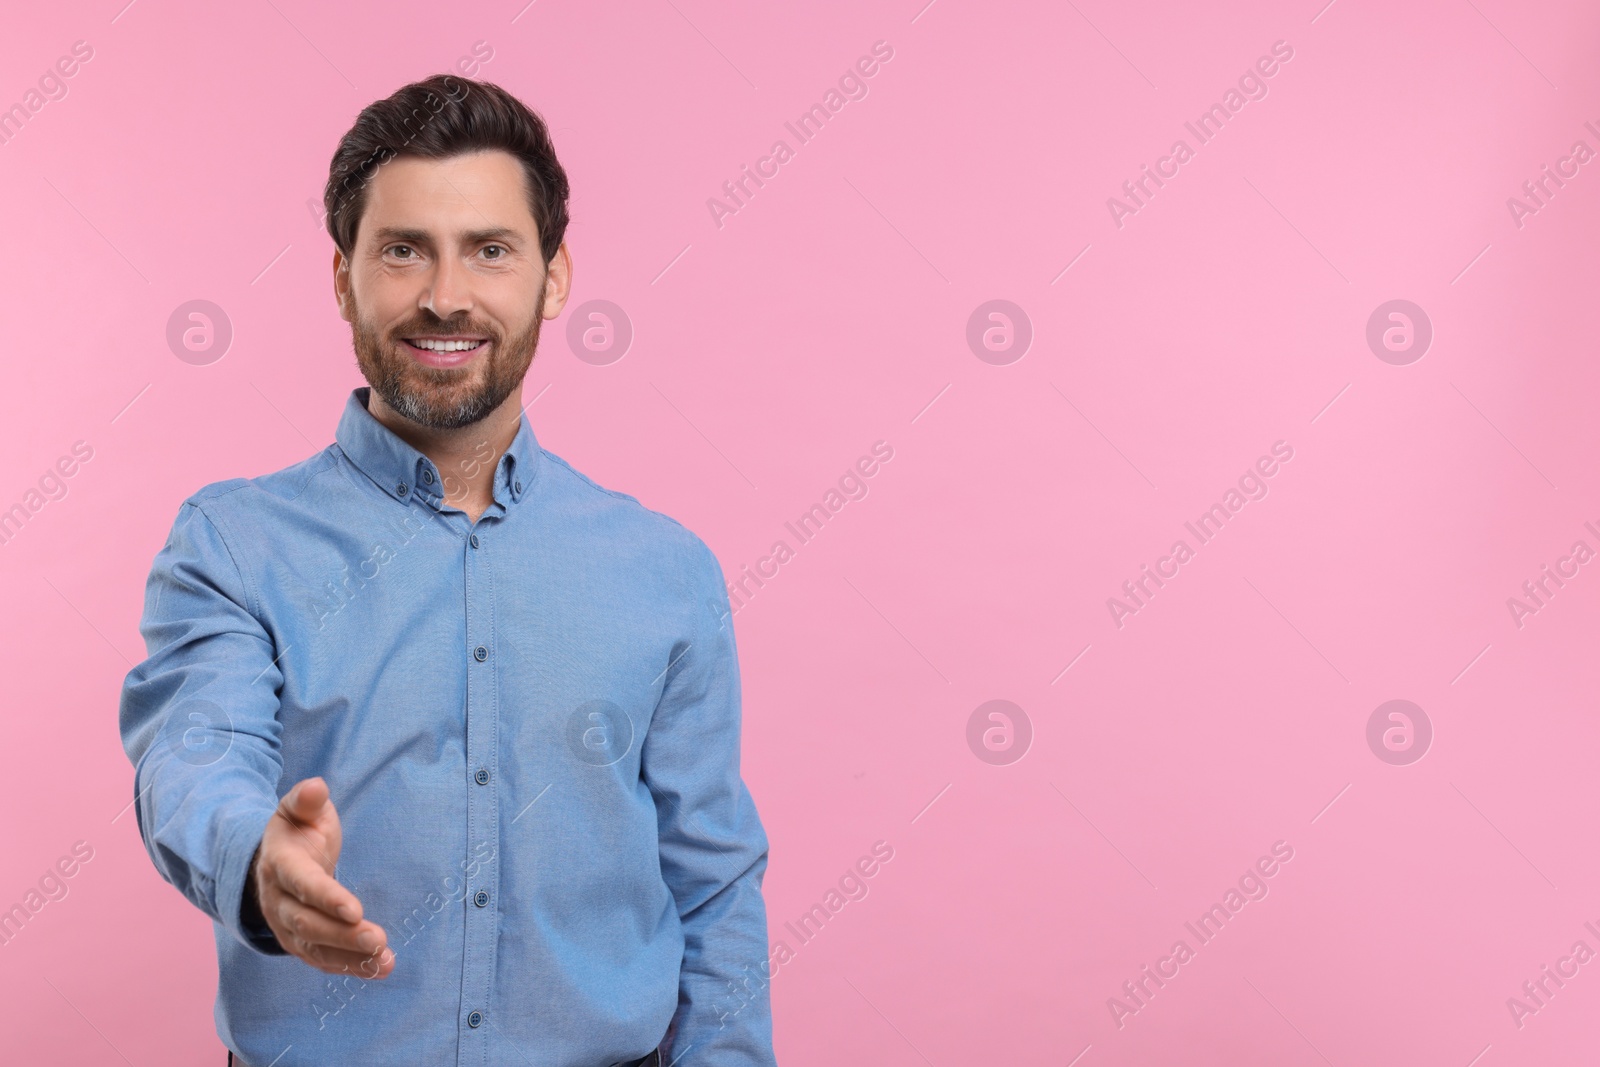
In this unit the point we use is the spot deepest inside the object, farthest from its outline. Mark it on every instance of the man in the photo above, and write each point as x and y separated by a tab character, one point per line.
442	735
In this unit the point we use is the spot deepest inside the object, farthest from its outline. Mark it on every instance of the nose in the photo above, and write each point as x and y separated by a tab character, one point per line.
449	290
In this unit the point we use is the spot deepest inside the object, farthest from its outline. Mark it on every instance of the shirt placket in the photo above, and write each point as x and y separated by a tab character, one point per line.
483	832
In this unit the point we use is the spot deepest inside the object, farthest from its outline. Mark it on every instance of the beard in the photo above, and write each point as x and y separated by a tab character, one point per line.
442	398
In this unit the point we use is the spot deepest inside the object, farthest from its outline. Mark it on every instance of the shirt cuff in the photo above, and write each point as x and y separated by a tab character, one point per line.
246	924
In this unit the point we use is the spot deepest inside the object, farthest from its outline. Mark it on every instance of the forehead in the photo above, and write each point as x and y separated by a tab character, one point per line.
476	191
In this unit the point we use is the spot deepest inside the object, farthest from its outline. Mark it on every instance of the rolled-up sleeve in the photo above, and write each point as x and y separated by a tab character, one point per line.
713	846
199	722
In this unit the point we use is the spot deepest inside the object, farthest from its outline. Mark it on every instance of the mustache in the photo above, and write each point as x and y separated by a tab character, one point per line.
464	326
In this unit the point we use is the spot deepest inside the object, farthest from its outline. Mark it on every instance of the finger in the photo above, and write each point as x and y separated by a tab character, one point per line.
315	928
305	801
338	961
308	811
302	877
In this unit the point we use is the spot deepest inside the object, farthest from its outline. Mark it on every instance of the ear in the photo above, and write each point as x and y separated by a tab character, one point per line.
557	282
341	284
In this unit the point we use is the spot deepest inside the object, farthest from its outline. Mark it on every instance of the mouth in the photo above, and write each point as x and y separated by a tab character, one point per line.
445	350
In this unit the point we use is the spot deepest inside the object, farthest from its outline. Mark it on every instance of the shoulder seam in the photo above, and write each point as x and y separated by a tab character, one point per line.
252	483
252	597
193	497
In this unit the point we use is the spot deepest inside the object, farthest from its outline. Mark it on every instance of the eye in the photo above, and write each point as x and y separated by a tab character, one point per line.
394	250
500	248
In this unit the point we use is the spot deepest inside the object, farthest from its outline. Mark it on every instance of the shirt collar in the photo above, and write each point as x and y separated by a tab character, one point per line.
403	472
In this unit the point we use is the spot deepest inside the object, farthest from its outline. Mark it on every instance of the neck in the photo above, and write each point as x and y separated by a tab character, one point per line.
466	456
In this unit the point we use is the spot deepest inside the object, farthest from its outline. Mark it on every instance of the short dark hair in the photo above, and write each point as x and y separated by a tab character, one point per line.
436	118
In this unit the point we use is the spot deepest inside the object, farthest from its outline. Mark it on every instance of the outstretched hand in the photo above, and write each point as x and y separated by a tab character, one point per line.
314	917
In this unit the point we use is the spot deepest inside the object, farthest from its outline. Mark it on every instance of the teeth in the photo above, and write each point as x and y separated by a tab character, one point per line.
446	346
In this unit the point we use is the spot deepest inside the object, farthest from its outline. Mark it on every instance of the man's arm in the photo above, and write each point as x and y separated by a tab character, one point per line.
713	847
199	721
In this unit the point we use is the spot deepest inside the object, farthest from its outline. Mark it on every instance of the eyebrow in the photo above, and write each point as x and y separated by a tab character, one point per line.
422	237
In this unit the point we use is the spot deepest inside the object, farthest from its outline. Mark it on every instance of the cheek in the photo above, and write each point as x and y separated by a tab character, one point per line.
387	300
522	326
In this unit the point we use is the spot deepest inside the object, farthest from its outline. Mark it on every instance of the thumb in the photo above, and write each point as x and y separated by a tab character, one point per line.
304	803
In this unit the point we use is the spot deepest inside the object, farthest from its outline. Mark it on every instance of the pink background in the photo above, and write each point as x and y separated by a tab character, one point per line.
828	314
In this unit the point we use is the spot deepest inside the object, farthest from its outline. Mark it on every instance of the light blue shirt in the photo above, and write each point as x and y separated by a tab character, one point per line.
530	728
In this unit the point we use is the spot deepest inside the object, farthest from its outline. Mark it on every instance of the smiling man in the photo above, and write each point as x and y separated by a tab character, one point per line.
443	736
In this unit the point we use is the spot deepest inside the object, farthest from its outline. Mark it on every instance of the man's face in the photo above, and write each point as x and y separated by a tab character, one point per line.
445	288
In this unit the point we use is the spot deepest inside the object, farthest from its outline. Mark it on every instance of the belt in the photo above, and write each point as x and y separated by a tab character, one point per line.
653	1059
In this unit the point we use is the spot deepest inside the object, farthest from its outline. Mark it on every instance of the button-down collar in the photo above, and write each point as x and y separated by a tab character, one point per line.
404	472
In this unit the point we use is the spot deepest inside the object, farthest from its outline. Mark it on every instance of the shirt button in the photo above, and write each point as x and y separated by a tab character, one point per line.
427	476
519	485
475	1020
481	899
482	777
480	653
474	540
402	489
